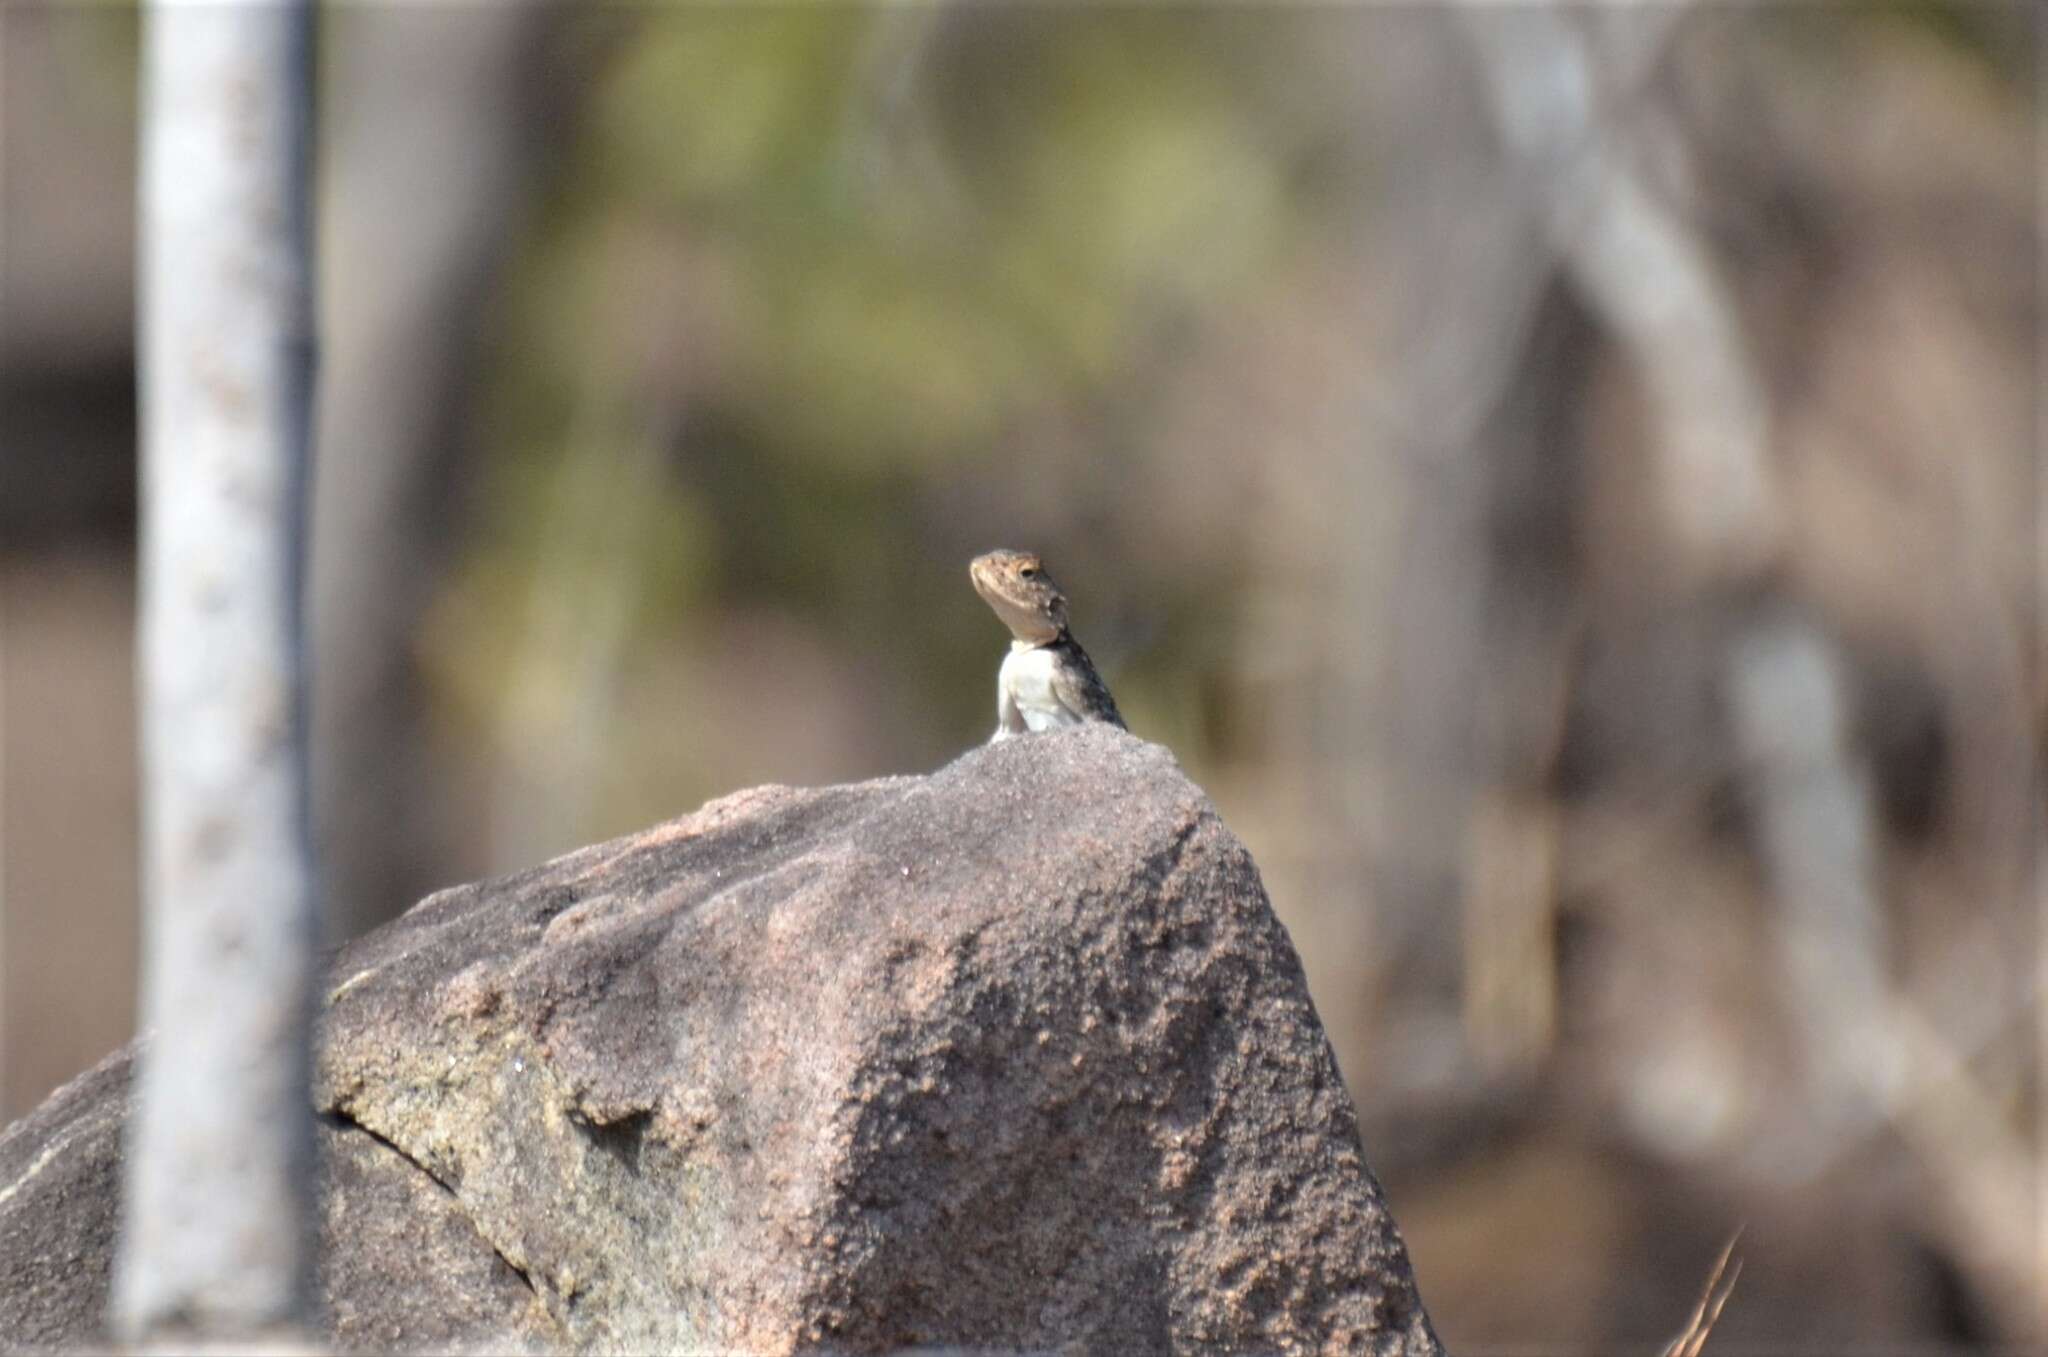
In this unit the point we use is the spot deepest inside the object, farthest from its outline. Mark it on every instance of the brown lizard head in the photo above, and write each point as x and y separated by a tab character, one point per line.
1015	584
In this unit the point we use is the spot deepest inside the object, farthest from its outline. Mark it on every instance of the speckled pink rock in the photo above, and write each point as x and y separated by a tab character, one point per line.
1011	1057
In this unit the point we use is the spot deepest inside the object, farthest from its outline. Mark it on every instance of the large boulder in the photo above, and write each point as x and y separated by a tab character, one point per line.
1014	1056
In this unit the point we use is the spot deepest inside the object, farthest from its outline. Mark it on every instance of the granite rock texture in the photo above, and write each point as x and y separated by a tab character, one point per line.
1010	1057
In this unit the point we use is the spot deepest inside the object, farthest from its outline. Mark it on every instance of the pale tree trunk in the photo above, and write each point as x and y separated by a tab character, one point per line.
215	1237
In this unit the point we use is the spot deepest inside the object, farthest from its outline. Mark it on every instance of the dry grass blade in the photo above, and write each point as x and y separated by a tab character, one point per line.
1720	1285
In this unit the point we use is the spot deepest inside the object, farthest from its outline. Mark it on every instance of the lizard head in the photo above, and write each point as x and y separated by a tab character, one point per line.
1015	584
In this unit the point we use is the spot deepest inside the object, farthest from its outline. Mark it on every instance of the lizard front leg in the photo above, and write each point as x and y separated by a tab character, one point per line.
1009	720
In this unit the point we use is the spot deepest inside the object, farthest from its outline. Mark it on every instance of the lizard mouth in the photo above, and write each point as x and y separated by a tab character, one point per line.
976	573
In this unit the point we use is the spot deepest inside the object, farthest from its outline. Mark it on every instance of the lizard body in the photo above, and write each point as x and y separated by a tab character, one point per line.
1047	680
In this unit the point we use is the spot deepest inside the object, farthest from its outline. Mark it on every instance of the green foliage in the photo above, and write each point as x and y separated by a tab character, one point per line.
815	265
892	315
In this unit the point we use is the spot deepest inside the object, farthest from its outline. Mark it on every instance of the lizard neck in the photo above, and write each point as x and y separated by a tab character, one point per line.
1020	643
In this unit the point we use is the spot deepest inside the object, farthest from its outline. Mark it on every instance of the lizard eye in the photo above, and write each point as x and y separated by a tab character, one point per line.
1029	572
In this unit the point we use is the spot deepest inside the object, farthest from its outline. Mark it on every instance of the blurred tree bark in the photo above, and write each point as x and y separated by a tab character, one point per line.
1565	89
435	131
215	1236
1558	82
1555	79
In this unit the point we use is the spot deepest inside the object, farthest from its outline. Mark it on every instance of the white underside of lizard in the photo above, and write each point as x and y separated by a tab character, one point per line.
1026	681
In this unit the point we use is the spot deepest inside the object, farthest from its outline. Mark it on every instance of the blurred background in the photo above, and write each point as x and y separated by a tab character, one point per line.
1565	480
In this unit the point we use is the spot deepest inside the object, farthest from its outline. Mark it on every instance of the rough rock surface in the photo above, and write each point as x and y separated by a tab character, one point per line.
402	1266
1011	1057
